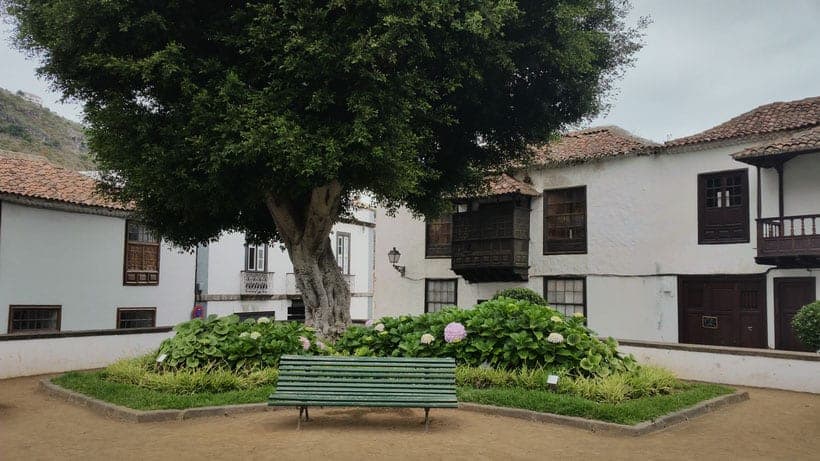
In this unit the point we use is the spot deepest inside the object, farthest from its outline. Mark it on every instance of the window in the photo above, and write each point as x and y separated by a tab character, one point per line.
255	315
296	310
343	251
141	255
256	258
34	319
723	207
566	295
136	317
439	293
438	237
565	220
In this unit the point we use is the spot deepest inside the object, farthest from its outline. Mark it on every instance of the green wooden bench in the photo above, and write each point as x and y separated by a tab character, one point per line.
309	381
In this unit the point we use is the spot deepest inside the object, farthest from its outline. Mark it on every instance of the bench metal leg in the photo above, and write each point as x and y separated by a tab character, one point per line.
426	419
307	417
299	424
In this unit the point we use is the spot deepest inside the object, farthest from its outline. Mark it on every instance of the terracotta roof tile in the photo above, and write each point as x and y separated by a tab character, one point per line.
800	141
770	118
506	184
591	144
36	178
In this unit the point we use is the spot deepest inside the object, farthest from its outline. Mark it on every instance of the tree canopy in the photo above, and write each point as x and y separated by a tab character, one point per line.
204	110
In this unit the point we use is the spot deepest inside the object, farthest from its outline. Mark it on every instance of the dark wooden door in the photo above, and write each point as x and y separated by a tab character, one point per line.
722	310
790	294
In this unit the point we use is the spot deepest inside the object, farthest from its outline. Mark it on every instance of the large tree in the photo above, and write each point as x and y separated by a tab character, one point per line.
267	116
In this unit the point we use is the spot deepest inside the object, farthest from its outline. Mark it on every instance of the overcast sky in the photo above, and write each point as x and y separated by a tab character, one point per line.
704	62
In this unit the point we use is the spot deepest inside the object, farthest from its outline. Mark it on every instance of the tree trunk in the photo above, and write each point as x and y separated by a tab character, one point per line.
305	229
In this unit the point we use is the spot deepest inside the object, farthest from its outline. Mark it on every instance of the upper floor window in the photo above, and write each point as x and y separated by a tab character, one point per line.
439	236
256	257
136	317
343	251
34	319
141	255
565	220
723	207
439	293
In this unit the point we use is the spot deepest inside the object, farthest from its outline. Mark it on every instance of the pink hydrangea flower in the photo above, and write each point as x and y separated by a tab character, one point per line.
305	342
454	332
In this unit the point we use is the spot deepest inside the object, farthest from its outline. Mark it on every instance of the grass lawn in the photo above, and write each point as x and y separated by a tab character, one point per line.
127	395
629	412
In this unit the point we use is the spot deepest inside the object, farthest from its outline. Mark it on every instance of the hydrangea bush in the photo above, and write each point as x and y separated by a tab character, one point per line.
225	342
502	333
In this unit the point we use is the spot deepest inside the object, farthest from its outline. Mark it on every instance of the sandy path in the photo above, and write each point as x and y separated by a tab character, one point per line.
772	425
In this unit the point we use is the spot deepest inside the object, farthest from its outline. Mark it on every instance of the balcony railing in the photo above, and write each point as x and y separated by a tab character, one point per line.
790	241
292	289
256	283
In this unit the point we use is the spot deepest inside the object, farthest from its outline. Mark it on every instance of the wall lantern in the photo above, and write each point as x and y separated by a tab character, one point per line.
393	256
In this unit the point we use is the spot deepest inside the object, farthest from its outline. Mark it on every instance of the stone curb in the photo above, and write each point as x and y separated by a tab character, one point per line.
642	428
139	416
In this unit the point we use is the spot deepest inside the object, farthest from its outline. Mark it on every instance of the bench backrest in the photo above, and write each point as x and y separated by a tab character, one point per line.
366	381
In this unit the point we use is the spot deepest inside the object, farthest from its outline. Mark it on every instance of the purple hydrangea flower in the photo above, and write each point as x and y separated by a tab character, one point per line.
454	332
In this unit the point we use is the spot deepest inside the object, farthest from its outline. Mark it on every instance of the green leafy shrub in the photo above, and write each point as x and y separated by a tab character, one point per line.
614	388
806	324
227	343
524	294
140	372
502	333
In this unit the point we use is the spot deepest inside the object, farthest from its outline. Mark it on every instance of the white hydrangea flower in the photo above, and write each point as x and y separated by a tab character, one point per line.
256	335
556	319
244	334
427	338
379	327
263	320
578	314
555	338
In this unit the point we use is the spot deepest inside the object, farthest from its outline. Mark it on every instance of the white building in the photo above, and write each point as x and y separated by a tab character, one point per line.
81	285
235	277
696	241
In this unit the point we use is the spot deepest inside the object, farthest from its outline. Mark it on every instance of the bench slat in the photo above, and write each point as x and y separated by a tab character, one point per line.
367	403
329	385
343	358
360	370
361	391
364	374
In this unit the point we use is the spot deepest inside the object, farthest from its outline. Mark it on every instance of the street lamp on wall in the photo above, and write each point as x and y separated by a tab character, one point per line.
393	256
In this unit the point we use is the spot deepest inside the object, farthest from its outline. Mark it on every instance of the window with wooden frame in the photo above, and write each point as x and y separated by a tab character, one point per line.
565	220
439	293
567	295
438	237
141	255
343	251
723	207
256	258
136	317
34	319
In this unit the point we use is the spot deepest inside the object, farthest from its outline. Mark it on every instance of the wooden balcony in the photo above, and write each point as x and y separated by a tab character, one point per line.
790	241
256	283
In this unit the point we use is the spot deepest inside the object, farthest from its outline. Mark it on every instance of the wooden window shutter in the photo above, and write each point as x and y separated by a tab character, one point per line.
141	255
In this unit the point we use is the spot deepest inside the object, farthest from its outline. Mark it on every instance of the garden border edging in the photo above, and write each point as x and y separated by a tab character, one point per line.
592	425
142	416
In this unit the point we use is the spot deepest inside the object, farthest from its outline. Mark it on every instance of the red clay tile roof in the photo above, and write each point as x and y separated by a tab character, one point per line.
506	184
800	141
591	144
36	178
770	118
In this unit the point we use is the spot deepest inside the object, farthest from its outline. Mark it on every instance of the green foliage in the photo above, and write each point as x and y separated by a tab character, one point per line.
140	372
806	324
626	412
225	342
128	395
205	111
29	128
524	294
502	333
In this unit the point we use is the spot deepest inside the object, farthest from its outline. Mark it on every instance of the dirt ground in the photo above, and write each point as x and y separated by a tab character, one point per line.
771	425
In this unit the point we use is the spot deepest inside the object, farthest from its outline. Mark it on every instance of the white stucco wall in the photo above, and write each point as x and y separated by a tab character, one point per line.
53	355
75	260
801	185
744	370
